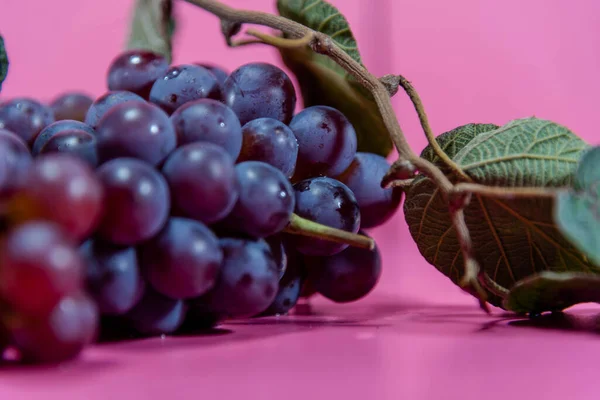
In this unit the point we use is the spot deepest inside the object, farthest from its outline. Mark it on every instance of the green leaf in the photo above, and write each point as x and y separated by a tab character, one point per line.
512	238
578	210
323	82
3	62
152	27
553	291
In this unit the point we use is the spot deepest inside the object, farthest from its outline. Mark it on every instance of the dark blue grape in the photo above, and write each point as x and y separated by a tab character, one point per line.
218	72
75	142
208	120
202	180
183	260
346	276
136	129
326	142
112	276
71	325
156	314
265	203
248	281
71	105
25	117
136	202
271	141
107	101
14	161
290	285
56	127
278	250
328	202
363	177
182	84
259	90
135	71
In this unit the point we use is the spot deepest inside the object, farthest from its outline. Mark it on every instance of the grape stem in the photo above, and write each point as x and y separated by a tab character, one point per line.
306	227
381	90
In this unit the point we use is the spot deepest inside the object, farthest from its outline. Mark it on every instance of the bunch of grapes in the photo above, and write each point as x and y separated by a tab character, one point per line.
164	205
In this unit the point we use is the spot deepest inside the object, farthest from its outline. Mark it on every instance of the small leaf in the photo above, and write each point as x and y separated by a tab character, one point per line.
512	238
3	62
553	291
578	210
152	27
323	82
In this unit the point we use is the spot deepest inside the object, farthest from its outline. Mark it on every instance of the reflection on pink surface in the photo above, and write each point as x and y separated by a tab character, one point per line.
418	337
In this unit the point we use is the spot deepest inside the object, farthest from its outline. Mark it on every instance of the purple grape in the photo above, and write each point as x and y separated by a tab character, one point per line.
136	201
112	276
14	161
71	106
136	129
75	142
258	90
71	325
182	84
218	72
328	202
346	276
56	127
135	71
107	101
25	117
208	120
57	182
279	253
271	141
326	142
183	260
202	180
290	286
156	314
363	177
265	203
248	281
40	265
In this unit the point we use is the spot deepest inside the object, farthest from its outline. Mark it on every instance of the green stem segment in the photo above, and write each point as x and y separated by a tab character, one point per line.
306	227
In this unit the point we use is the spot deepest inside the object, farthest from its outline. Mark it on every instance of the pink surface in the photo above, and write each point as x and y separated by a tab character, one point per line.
418	336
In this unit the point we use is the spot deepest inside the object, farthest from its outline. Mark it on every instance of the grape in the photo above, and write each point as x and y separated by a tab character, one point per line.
72	106
14	160
208	120
136	201
326	142
289	286
183	260
265	203
218	72
184	83
71	325
56	127
259	90
364	176
156	314
346	276
247	284
135	71
202	180
112	276
25	117
107	101
136	129
40	265
271	141
279	253
62	182
75	142
328	202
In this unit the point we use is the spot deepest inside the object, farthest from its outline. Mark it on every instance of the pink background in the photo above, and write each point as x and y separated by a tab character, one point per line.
417	336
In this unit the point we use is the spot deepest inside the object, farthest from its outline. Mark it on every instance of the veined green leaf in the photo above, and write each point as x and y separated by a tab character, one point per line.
3	62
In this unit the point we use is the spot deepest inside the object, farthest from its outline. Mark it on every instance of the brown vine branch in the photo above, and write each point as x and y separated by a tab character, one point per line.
505	192
232	19
281	42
